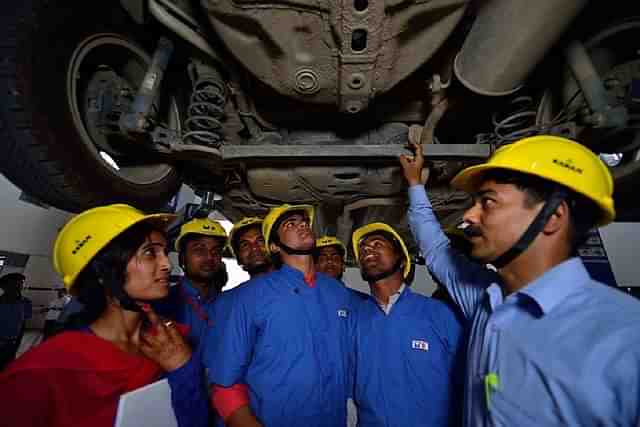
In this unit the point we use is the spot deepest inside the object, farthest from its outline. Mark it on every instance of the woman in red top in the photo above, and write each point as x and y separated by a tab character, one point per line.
114	259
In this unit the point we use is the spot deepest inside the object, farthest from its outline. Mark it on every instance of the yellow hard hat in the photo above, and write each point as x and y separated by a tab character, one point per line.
365	230
240	225
331	241
553	158
275	213
88	232
203	226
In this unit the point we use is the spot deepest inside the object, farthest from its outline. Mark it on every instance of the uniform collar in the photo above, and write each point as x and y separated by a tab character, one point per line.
393	299
310	281
192	291
555	285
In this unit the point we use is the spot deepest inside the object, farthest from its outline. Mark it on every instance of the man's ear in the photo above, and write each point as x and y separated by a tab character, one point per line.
557	219
273	248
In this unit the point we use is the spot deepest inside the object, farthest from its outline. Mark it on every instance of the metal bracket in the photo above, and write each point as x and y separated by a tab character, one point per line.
207	204
350	153
436	84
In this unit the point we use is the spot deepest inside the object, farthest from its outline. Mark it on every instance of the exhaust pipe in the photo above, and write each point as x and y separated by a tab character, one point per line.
508	39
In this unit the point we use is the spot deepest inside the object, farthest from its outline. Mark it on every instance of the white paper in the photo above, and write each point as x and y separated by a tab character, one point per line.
147	406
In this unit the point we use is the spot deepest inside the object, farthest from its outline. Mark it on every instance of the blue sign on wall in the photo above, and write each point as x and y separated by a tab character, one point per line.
595	259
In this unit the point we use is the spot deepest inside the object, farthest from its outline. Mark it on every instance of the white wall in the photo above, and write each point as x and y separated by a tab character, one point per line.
621	242
26	228
31	230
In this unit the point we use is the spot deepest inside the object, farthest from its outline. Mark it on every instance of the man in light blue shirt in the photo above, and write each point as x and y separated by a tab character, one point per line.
548	345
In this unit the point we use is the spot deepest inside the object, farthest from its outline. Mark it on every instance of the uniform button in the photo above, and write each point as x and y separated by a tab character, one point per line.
296	290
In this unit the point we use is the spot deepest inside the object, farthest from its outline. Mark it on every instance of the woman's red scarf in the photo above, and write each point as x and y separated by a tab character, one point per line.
72	379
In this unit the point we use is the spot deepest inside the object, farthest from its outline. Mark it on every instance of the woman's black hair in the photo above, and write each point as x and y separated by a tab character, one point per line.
106	274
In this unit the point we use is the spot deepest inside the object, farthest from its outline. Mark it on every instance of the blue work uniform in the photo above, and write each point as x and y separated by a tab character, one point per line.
563	350
356	295
186	304
190	402
287	341
406	362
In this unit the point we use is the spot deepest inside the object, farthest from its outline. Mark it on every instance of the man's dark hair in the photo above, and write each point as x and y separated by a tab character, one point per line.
106	274
10	285
11	279
583	213
276	260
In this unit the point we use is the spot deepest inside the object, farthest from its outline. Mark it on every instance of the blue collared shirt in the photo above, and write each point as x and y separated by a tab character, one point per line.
288	342
564	350
186	304
406	362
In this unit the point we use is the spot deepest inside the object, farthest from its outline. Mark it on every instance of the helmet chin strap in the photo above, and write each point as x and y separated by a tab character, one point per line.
291	251
373	278
535	228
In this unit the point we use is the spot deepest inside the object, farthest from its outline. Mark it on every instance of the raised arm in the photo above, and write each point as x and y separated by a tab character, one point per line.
465	279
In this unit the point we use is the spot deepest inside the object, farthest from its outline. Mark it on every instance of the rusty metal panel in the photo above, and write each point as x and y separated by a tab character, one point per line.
328	51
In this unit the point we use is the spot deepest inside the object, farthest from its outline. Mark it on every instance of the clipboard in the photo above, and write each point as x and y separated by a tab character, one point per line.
147	406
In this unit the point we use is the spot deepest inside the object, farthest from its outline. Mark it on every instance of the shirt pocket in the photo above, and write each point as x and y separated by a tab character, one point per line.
525	393
506	413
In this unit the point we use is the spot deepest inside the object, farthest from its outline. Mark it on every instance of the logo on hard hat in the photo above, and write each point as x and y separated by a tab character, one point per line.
568	164
80	244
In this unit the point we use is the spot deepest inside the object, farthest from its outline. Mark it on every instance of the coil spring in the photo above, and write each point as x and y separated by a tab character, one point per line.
521	121
205	112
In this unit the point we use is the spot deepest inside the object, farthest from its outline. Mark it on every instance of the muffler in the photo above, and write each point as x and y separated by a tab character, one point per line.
508	39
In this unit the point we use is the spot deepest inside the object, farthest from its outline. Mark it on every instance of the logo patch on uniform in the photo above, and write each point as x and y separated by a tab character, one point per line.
420	345
343	313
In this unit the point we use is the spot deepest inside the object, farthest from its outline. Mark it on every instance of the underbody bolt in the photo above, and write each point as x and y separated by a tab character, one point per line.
354	107
307	81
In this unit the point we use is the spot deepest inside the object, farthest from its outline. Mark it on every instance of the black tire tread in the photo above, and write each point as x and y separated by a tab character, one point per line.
33	159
